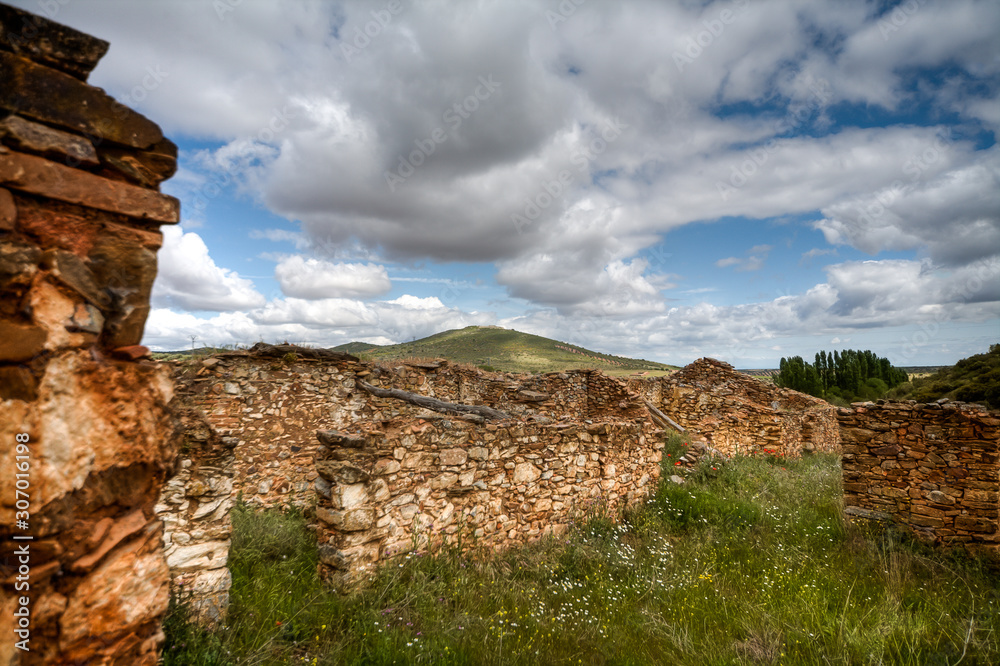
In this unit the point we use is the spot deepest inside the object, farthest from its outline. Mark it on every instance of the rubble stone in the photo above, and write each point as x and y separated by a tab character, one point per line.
951	496
93	426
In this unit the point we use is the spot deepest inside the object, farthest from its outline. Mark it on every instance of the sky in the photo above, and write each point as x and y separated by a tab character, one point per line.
744	179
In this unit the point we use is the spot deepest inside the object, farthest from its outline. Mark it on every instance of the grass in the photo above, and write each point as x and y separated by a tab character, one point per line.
749	562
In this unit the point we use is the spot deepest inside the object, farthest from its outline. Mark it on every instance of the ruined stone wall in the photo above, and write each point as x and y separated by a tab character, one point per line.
265	413
85	433
739	414
412	482
932	467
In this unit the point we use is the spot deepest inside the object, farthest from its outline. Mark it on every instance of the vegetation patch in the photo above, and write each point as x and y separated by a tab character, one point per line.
747	562
841	377
973	379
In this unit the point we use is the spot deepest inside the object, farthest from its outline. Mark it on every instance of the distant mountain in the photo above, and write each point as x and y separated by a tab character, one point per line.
356	347
506	350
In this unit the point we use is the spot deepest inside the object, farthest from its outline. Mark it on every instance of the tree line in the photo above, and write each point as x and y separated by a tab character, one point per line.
841	376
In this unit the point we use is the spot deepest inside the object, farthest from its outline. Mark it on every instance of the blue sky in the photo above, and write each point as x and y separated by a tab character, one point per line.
741	179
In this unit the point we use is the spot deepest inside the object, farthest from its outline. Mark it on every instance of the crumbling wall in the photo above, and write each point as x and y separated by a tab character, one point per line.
269	410
739	414
411	482
195	507
85	433
932	467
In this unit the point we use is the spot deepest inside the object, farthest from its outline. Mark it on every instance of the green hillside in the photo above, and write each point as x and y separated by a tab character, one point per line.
973	379
508	351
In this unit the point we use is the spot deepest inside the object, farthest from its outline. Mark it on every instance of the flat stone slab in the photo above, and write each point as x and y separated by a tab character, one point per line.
49	43
28	173
55	98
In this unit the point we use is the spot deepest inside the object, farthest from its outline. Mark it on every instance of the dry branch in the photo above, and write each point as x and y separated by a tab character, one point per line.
434	404
662	419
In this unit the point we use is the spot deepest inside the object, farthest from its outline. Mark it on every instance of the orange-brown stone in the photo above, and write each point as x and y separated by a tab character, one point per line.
50	179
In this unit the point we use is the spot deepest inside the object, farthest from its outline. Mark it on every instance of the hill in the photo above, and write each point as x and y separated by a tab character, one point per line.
973	379
508	351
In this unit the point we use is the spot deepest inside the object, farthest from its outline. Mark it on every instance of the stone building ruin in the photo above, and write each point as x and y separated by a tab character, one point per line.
384	474
117	518
742	415
934	468
80	211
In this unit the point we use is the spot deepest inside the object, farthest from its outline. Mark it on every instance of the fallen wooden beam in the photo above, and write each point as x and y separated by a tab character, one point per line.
663	418
433	404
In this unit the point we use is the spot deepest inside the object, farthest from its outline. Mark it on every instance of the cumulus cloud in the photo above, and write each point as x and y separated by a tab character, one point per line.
189	279
320	322
857	297
300	277
547	153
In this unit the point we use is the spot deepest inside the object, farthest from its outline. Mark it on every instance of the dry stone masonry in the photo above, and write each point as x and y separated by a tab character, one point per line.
932	467
741	415
80	210
387	474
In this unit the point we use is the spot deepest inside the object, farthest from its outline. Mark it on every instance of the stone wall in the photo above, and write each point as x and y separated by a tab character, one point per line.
739	414
932	467
409	482
79	228
267	411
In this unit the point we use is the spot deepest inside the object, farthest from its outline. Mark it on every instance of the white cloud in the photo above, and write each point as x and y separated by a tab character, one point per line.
325	322
315	279
309	135
189	279
754	261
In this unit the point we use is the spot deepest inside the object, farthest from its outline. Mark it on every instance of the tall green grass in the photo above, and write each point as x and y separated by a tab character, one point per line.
747	563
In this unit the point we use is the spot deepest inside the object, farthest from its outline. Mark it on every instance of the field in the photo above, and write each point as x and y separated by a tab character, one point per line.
748	562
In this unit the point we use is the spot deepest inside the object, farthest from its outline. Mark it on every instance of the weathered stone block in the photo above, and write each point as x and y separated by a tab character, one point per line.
979	525
525	473
49	43
24	135
8	210
451	457
20	342
386	466
446	480
39	176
